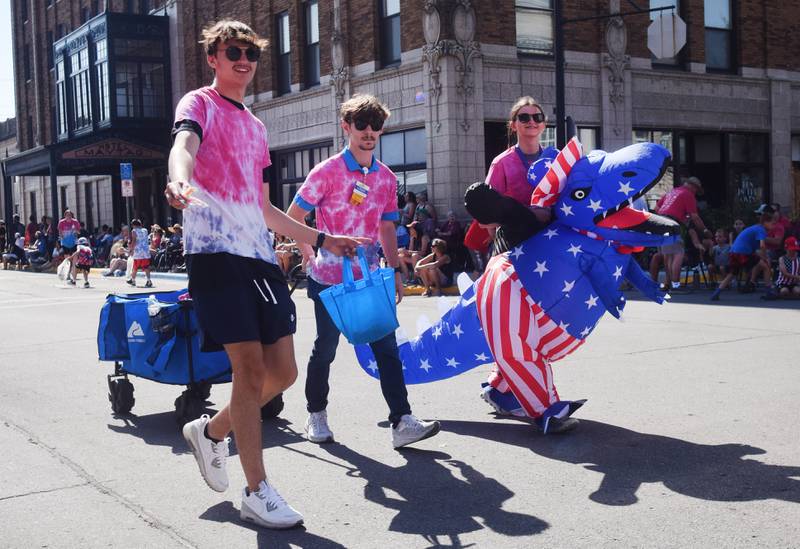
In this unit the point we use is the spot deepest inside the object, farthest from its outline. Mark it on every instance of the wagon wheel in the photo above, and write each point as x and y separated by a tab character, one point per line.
120	393
272	408
188	407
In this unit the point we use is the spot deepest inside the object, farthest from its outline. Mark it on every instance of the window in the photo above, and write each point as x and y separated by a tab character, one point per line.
719	33
284	54
312	43
127	89
293	167
130	6
535	26
85	15
668	61
81	92
62	30
152	90
796	148
61	93
101	74
663	138
23	10
32	204
95	7
29	127
144	6
138	48
390	32
404	152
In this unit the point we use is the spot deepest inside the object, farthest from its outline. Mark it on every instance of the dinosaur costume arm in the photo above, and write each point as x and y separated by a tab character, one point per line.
642	281
596	270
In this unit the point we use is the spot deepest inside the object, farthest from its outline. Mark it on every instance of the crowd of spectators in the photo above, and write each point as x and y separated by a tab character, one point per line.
42	246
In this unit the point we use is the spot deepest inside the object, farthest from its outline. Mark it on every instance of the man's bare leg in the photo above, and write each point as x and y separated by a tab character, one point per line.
260	373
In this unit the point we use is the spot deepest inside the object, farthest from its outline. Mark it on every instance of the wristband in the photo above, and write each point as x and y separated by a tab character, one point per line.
320	239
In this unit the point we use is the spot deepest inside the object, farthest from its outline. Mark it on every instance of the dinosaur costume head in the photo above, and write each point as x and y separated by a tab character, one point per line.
596	193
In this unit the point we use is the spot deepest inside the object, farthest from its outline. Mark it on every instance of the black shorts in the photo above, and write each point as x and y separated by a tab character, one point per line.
86	268
239	299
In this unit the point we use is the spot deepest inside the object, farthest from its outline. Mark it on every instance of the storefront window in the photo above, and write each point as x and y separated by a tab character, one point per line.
404	153
81	91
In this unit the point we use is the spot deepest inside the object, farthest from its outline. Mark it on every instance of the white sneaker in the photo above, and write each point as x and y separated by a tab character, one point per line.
267	508
411	429
210	455
317	429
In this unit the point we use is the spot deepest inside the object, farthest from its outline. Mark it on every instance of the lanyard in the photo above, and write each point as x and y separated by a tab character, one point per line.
525	162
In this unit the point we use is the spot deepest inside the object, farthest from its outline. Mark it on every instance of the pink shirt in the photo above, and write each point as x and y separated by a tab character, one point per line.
68	230
328	188
228	176
678	204
509	176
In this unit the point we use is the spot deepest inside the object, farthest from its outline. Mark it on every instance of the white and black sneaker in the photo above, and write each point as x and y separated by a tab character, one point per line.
317	429
267	508
210	455
410	430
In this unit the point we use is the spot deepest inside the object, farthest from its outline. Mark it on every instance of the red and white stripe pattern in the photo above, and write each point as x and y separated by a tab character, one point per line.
523	339
549	188
792	267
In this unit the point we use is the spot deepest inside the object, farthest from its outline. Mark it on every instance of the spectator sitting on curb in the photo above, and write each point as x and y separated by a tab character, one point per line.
750	250
37	252
16	252
436	269
788	282
118	262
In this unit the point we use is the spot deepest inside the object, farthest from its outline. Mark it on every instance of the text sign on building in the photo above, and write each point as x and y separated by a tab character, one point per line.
666	35
126	175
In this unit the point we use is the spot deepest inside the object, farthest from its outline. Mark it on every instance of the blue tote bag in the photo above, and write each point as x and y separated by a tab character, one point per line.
363	310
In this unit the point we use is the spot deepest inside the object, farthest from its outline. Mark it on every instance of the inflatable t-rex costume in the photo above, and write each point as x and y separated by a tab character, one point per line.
538	302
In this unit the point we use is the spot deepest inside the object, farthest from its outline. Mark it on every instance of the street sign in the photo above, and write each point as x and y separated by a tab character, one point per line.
127	187
666	35
126	170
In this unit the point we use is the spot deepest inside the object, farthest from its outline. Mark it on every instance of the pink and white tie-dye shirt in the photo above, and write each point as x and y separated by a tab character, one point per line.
228	176
328	188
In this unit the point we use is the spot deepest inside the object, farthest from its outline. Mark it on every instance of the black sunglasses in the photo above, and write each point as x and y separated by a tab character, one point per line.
234	53
361	124
525	117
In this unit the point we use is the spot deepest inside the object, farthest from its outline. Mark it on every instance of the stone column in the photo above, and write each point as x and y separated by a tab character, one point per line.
454	90
615	86
781	143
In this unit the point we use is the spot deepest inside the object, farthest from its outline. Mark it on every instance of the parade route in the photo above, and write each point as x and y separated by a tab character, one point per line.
688	439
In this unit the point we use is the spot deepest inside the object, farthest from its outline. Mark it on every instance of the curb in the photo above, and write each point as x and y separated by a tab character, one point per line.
167	276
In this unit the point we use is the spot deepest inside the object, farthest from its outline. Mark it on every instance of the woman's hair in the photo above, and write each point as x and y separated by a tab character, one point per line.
411	197
439	244
526	101
363	105
228	29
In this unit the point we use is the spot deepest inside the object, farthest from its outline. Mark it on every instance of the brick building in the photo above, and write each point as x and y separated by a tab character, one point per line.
728	105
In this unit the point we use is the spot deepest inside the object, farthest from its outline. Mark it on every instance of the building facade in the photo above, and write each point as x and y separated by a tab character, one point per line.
727	105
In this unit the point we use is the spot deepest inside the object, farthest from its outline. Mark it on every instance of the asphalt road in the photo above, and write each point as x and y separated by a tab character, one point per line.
689	439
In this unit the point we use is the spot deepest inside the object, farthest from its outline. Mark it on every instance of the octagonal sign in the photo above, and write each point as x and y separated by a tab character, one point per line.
666	35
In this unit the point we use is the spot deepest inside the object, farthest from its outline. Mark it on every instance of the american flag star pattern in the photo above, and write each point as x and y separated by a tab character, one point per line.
549	188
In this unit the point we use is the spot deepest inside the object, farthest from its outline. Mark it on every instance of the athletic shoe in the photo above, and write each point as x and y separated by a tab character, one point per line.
267	508
317	429
410	430
505	404
131	282
148	284
70	282
210	455
85	284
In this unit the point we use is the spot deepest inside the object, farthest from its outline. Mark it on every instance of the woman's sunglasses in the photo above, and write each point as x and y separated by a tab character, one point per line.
361	124
525	117
234	53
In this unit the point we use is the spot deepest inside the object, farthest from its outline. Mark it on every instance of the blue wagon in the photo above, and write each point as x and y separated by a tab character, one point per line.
155	336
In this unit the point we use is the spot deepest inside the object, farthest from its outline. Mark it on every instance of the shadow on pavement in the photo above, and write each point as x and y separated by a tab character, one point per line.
729	298
628	459
434	502
295	537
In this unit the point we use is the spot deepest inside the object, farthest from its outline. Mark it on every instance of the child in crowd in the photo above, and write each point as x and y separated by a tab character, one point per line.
141	253
789	270
435	269
82	260
719	255
749	251
738	227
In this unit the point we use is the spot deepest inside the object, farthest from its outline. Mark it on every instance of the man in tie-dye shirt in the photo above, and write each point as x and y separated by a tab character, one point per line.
354	193
240	296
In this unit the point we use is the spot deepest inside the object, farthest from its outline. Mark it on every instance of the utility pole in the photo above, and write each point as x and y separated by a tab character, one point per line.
560	23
